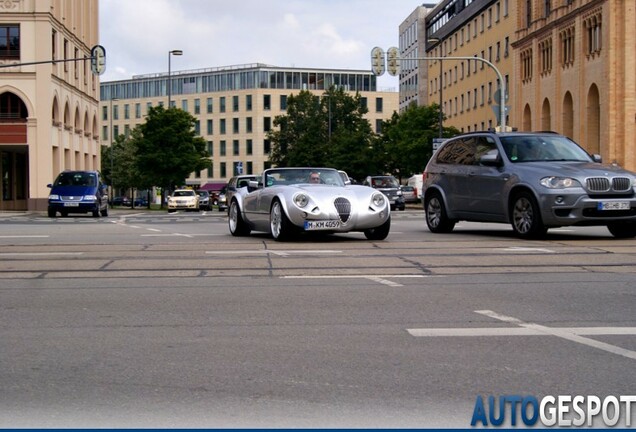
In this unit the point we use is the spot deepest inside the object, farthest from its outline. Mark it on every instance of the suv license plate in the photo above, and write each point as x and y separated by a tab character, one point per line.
71	204
613	205
321	225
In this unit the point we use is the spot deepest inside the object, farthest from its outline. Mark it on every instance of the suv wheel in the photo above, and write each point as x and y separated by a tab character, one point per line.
526	217
436	218
622	229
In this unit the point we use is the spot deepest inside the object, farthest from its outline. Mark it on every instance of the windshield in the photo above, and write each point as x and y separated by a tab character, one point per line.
183	193
533	148
76	179
384	182
292	176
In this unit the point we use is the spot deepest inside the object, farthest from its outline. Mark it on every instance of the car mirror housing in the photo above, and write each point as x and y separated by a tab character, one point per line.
597	158
490	159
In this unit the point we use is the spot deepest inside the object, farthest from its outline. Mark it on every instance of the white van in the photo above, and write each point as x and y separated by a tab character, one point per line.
416	182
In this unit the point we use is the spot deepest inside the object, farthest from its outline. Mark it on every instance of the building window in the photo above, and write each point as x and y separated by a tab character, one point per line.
104	133
526	65
249	147
249	168
248	102
593	37
223	170
222	104
210	128
76	64
211	170
210	107
104	113
283	102
267	124
267	102
210	148
126	112
65	55
379	105
115	112
248	124
10	41
222	127
547	7
567	47
506	46
235	103
222	149
53	44
184	104
197	106
267	146
545	50
137	110
197	127
235	147
235	125
378	126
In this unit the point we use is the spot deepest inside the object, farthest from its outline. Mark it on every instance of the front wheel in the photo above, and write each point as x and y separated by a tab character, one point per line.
279	223
379	233
51	213
622	229
526	216
436	218
238	227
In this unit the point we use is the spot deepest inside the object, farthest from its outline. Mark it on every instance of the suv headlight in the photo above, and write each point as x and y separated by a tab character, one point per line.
559	182
90	198
54	197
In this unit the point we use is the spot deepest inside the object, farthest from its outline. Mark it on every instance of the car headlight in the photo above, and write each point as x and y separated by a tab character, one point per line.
559	182
54	197
378	199
399	193
301	200
90	198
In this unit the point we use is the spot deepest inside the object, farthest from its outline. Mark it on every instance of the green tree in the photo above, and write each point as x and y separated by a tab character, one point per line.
407	139
166	149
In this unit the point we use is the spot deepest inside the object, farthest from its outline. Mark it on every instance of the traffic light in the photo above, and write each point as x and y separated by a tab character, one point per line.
98	59
377	61
393	61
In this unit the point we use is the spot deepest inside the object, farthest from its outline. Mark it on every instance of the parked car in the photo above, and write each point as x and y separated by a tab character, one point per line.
120	201
221	200
285	203
408	193
78	192
416	182
236	183
183	199
534	181
204	200
389	186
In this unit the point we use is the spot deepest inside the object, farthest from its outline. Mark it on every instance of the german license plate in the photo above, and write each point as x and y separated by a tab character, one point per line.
321	225
613	205
71	204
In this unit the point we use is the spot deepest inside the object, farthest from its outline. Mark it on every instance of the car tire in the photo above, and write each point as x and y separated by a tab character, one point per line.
525	216
622	229
379	233
51	213
64	213
238	226
436	218
280	226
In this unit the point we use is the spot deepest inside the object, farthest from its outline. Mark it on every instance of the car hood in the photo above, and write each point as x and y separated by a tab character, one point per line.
572	169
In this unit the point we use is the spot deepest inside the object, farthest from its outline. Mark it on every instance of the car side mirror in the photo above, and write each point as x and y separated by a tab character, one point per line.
490	159
597	158
254	184
49	185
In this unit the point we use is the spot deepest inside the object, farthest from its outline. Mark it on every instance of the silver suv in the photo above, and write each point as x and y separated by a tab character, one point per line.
534	181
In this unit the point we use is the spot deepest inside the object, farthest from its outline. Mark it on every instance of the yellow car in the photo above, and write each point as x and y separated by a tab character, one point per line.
183	199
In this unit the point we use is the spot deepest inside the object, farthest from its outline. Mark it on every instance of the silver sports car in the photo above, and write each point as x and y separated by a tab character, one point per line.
286	201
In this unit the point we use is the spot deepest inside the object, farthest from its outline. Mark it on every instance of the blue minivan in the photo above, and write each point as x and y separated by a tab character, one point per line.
78	192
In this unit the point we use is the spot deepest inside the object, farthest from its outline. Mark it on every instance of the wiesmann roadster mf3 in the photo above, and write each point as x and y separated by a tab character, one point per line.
288	201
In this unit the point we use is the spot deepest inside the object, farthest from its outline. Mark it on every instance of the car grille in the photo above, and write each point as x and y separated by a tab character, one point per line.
343	206
603	184
71	198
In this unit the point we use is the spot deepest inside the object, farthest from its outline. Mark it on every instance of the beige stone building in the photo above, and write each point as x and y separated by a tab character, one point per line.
575	73
48	111
234	106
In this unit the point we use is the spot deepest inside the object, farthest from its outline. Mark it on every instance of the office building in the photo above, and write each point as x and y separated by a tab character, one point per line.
48	111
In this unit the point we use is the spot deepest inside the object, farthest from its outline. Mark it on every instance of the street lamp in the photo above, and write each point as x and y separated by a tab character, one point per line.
112	139
171	53
441	74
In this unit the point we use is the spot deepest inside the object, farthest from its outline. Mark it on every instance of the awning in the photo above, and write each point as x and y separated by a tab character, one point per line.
213	187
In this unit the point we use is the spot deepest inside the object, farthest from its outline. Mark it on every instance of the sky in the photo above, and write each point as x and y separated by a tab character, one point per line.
138	35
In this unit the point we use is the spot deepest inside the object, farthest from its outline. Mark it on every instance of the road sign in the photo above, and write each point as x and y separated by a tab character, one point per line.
377	61
393	61
496	109
497	95
98	59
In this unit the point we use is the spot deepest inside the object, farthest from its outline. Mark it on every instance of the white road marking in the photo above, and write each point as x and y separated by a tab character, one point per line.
24	236
274	252
528	249
383	279
40	253
572	334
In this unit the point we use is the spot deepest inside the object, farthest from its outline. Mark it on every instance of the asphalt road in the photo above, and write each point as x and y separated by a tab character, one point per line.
155	320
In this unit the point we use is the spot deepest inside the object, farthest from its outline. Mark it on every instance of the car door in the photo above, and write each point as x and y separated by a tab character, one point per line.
486	183
453	168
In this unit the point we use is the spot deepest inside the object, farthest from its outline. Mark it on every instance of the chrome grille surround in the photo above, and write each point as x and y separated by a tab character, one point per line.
604	184
343	207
